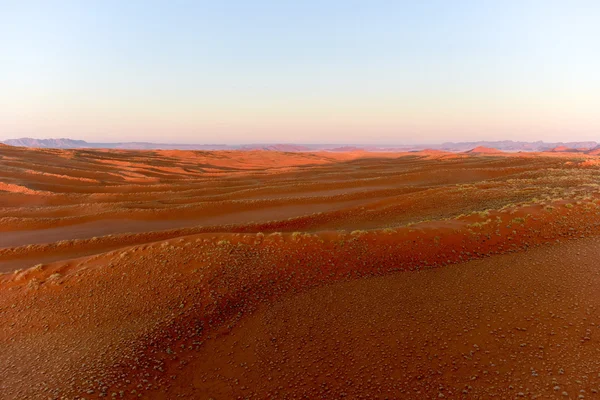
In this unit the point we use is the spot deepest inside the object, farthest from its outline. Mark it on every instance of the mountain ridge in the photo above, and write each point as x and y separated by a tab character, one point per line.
502	145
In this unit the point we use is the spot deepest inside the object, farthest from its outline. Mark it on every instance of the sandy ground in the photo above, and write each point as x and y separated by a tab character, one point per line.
529	328
223	275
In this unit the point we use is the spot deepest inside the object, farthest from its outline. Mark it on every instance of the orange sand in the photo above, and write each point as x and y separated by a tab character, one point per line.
218	275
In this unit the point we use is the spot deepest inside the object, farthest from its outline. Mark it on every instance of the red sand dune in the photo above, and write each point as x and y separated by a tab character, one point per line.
169	274
484	150
564	149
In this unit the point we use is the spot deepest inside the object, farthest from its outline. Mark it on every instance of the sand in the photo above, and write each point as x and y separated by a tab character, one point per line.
222	275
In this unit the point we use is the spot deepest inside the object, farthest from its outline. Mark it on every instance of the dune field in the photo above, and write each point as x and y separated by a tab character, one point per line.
311	275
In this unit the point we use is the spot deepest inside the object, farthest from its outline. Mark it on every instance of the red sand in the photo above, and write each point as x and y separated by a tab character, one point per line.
424	295
484	150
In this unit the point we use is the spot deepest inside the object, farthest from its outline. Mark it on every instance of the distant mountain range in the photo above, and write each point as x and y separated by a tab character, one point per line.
504	145
65	143
512	146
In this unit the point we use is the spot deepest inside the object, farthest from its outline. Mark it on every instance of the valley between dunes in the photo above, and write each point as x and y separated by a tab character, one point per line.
257	274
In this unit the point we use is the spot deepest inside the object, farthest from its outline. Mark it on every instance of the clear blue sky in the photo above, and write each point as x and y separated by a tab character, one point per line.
300	71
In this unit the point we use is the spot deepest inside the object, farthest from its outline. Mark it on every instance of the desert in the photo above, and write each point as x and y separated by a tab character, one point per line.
165	274
317	200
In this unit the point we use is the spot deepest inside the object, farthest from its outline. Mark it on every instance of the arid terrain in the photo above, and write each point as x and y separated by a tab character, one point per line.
172	274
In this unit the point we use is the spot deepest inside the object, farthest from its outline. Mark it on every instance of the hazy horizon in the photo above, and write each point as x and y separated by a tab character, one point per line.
309	73
319	143
367	145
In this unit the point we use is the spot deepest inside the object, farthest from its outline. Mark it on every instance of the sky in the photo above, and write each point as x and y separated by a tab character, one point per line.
311	71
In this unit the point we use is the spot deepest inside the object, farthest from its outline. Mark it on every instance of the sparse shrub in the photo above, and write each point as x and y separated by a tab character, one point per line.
54	278
33	284
259	238
480	224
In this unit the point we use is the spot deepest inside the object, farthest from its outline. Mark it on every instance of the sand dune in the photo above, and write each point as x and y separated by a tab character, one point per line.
184	274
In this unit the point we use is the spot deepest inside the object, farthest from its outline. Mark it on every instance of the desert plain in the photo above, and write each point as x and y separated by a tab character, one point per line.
174	274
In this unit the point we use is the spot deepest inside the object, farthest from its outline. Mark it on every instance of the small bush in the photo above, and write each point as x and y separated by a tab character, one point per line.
296	236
